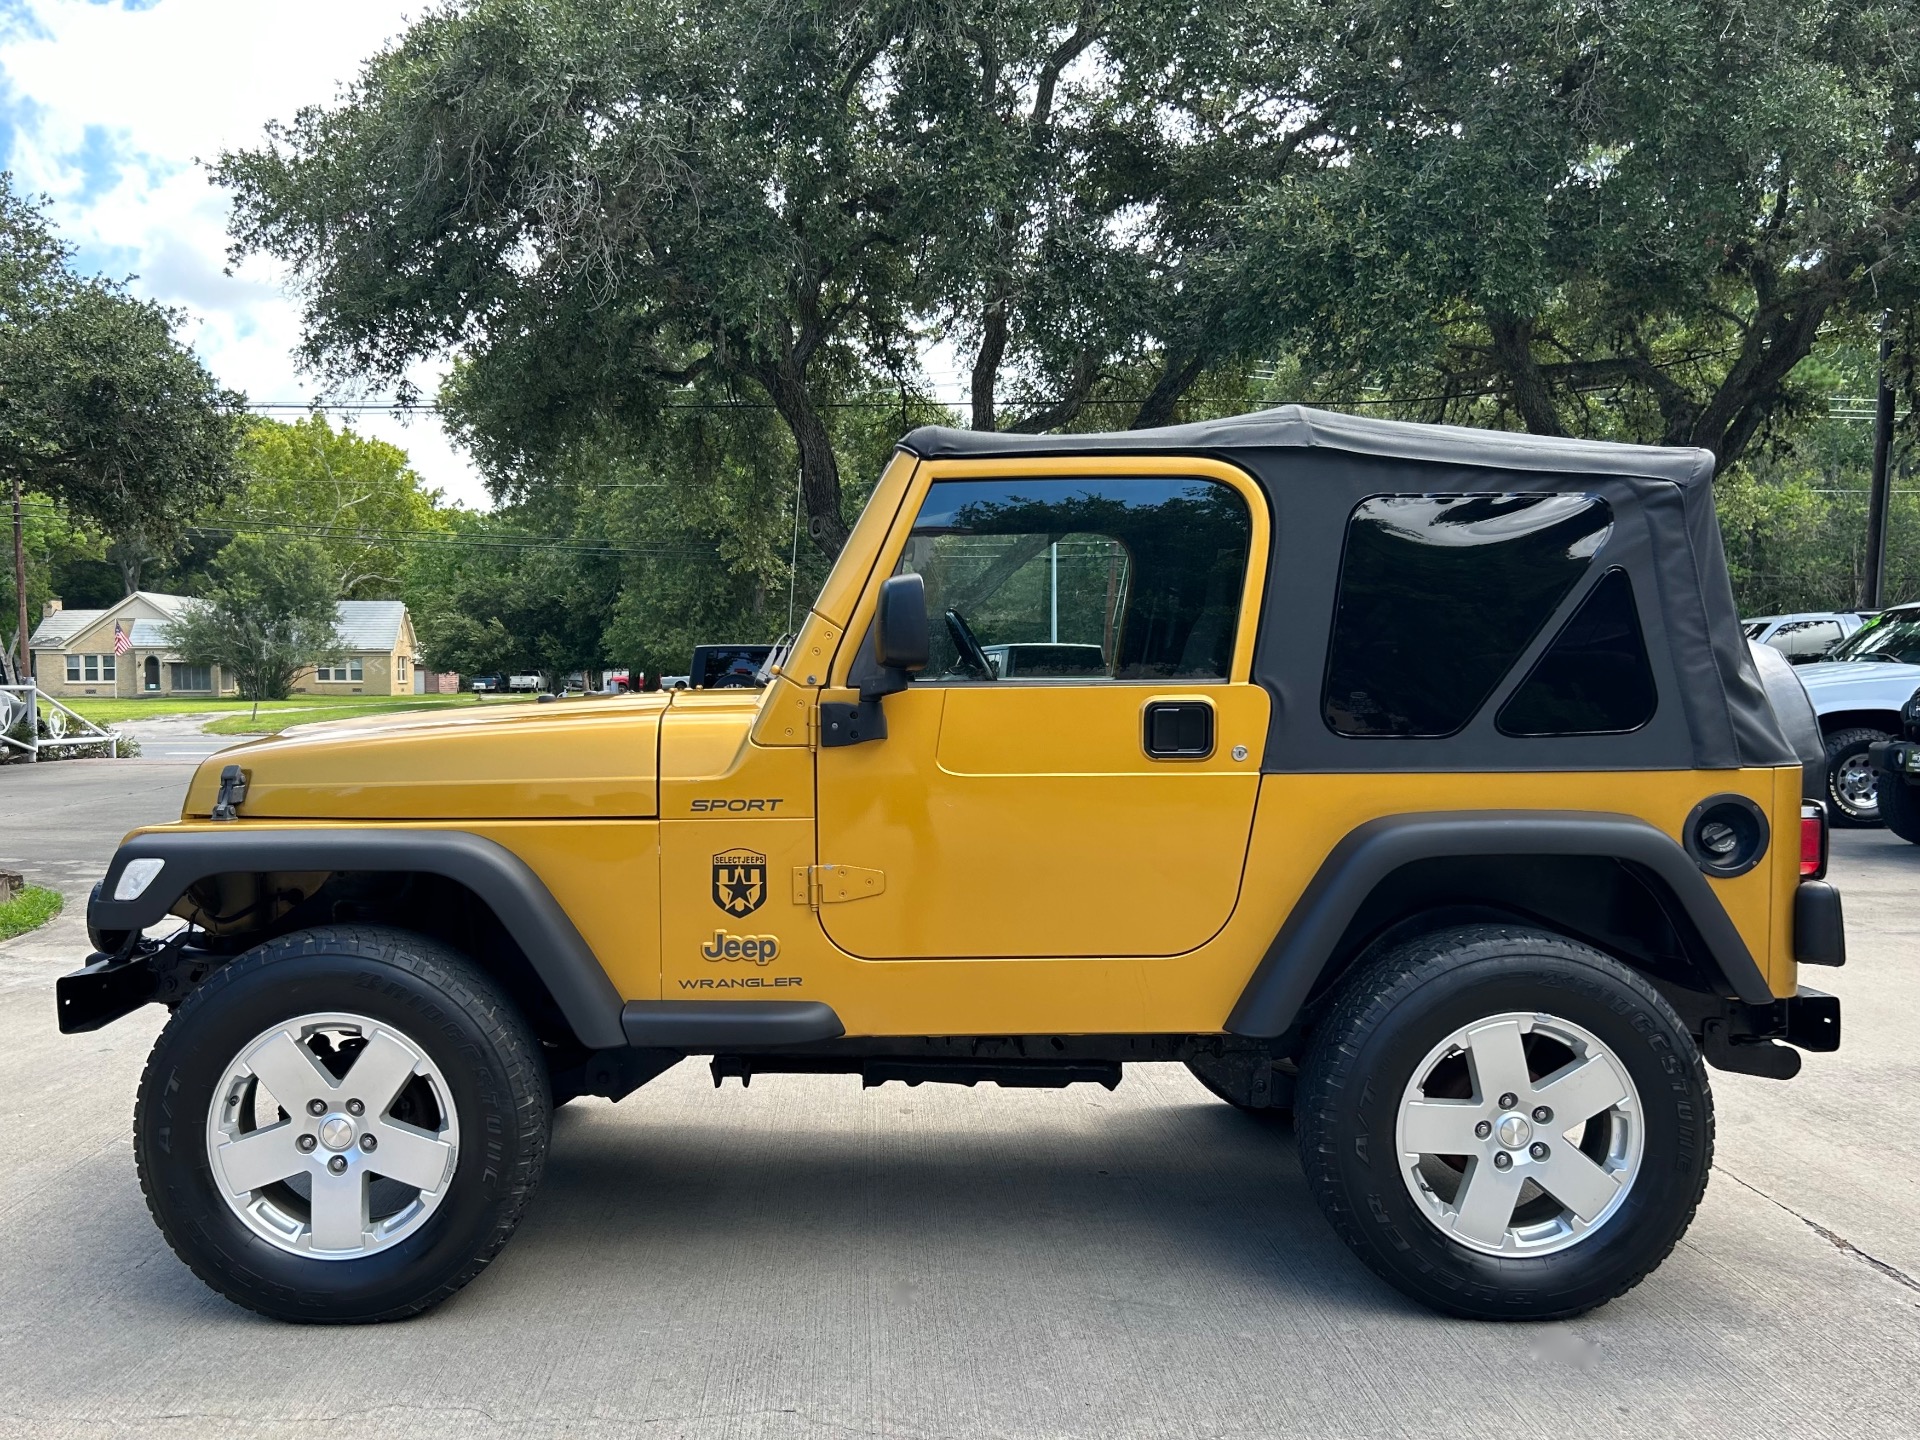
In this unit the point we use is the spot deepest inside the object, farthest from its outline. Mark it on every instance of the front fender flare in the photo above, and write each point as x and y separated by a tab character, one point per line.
1368	854
560	956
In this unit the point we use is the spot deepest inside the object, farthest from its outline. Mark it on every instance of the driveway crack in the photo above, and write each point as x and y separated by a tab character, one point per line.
1839	1242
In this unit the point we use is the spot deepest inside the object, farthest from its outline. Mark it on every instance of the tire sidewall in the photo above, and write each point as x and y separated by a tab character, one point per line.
1843	747
1675	1115
201	1041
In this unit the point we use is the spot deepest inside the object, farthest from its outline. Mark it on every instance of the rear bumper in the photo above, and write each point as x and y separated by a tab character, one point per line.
1895	757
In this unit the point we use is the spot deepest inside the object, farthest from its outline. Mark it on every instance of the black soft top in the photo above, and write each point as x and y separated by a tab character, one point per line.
1315	466
1299	427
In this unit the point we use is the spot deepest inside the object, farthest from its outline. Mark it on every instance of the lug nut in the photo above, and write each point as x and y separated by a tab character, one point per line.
1483	1129
316	1107
354	1107
1503	1161
1541	1114
1509	1100
338	1164
369	1142
1538	1150
305	1143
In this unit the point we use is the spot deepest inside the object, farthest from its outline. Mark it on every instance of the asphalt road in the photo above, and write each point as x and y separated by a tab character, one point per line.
808	1259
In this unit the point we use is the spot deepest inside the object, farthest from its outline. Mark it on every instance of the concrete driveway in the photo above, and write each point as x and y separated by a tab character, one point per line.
804	1258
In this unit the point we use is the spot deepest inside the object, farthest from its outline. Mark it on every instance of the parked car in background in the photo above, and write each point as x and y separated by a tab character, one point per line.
488	684
1896	779
1858	690
728	667
1806	637
524	683
1045	659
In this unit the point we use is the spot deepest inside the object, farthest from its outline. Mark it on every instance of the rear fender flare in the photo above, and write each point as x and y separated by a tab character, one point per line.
1306	944
560	956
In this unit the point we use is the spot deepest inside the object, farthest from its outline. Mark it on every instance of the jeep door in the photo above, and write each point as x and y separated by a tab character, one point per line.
1097	800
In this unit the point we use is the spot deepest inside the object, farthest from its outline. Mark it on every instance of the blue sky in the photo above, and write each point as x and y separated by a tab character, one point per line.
108	108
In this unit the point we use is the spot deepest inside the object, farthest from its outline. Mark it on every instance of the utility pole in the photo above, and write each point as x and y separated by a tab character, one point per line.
1879	495
20	584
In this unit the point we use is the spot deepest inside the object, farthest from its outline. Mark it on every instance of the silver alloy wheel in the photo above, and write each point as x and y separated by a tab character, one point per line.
1486	1168
1853	783
333	1168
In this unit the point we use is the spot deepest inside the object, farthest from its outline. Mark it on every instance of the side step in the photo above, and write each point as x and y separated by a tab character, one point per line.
879	1069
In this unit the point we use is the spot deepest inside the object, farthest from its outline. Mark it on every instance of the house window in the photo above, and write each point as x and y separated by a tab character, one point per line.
193	677
73	669
89	668
340	670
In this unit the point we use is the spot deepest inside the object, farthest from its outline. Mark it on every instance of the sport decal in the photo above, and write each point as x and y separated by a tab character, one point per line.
739	881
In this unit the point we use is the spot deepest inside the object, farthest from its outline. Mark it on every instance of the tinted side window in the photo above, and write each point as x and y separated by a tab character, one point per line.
1595	678
1090	580
1439	595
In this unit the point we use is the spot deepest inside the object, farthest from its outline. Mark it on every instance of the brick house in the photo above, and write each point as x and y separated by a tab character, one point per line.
122	652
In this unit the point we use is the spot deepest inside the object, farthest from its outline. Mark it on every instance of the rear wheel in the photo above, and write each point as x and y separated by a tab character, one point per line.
1503	1123
1851	784
1899	801
344	1124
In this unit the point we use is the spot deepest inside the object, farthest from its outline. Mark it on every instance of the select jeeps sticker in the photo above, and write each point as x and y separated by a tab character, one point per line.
739	881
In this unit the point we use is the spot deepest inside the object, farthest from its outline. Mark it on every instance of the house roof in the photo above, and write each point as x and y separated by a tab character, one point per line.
363	624
56	629
370	624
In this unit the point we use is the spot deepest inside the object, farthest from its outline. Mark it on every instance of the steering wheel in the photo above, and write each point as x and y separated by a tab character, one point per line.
971	659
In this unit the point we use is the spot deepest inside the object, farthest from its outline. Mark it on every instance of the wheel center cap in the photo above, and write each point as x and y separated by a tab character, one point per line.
336	1132
1513	1130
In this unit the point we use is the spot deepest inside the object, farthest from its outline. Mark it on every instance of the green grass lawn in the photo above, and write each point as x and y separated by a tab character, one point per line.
305	710
32	908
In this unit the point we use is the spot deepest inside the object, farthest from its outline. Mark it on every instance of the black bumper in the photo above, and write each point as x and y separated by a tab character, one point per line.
1897	758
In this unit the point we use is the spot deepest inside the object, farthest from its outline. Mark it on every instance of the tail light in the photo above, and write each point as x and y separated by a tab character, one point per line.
1813	840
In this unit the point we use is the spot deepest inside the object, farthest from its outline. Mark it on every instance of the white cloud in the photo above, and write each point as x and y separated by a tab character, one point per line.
112	109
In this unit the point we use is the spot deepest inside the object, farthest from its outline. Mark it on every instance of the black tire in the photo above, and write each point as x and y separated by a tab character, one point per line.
1899	805
1392	1013
496	1078
1846	759
1235	1078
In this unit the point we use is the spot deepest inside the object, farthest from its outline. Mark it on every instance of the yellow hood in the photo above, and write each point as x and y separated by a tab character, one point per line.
574	759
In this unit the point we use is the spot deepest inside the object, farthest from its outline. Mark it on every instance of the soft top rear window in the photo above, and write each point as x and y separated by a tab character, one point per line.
1440	595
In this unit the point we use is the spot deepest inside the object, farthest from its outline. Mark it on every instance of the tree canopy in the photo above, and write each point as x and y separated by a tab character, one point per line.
268	613
101	407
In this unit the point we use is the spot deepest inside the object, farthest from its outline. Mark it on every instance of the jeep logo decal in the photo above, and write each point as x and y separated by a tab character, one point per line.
760	949
740	881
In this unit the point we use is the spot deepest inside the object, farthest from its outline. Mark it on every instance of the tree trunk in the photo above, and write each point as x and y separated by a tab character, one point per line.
785	380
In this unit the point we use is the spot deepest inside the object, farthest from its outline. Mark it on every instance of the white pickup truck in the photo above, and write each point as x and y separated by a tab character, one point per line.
1858	690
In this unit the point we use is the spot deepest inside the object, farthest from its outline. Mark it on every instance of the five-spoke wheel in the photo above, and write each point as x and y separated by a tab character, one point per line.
1520	1134
332	1135
342	1124
1503	1122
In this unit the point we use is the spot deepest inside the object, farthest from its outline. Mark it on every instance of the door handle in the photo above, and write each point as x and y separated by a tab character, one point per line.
1178	729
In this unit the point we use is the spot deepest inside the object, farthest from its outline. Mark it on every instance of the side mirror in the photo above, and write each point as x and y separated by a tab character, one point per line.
900	625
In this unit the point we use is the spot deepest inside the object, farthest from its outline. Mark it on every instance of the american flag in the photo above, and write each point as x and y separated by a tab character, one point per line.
122	641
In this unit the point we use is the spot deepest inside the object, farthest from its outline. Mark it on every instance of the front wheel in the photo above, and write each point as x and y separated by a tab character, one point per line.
1852	787
1505	1124
344	1124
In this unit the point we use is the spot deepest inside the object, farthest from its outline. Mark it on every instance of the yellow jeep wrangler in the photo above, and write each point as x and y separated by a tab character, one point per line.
1415	780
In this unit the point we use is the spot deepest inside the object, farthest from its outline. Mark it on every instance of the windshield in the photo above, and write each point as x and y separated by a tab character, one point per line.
1895	638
